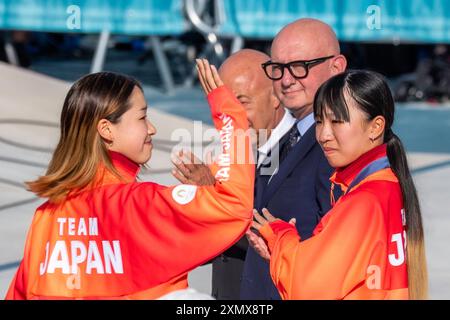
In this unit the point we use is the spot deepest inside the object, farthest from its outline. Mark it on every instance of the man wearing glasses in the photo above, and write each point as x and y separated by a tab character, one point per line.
304	55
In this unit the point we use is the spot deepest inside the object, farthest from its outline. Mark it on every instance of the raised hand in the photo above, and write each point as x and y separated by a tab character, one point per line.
208	76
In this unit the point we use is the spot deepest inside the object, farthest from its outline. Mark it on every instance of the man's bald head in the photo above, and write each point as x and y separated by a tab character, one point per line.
243	74
245	63
303	40
313	35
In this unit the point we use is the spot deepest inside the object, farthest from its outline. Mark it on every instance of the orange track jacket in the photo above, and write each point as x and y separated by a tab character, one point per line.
357	250
131	240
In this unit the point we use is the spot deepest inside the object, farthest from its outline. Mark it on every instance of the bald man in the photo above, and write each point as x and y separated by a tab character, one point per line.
242	73
314	43
304	54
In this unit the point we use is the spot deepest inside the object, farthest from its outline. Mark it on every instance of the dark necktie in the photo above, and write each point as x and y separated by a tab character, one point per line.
261	177
290	140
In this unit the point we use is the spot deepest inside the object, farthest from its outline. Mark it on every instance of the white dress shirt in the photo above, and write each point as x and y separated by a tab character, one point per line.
279	131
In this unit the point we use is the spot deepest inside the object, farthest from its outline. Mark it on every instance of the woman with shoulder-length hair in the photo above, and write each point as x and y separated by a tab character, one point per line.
370	245
101	234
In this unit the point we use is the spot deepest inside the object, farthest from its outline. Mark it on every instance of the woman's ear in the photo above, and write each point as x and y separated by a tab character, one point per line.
377	128
104	129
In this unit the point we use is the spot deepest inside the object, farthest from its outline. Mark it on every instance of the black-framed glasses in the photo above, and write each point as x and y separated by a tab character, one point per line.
299	69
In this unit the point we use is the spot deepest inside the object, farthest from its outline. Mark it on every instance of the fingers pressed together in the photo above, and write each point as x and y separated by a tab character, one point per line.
208	76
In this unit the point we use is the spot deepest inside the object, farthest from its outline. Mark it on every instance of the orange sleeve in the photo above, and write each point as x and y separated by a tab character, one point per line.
152	234
175	229
17	287
332	263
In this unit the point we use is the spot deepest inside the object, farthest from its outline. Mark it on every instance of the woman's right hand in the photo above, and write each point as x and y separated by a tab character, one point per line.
258	244
208	76
191	170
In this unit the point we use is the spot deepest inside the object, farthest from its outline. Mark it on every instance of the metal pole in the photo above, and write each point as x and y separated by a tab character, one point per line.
163	65
11	54
237	44
100	52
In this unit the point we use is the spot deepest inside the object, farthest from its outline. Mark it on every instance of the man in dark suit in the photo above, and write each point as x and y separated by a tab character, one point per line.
304	55
243	75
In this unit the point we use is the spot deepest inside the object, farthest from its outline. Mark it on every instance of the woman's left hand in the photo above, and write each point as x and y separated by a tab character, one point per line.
256	240
262	220
265	218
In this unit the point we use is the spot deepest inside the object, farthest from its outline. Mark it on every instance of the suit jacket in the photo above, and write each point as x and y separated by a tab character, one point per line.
300	189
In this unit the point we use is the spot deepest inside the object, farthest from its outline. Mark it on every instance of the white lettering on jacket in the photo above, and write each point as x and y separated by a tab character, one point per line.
223	174
70	256
78	229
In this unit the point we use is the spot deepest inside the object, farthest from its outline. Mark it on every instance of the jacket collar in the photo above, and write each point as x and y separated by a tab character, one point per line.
344	176
127	168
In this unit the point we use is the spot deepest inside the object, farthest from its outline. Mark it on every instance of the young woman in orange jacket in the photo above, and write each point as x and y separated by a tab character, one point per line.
370	245
102	234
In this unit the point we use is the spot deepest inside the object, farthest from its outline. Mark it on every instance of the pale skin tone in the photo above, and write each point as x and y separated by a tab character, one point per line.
208	76
300	41
342	143
132	135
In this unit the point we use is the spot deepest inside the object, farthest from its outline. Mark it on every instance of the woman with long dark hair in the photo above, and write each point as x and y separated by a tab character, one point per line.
370	245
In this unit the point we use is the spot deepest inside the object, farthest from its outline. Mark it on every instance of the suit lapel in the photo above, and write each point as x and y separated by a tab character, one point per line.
296	155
